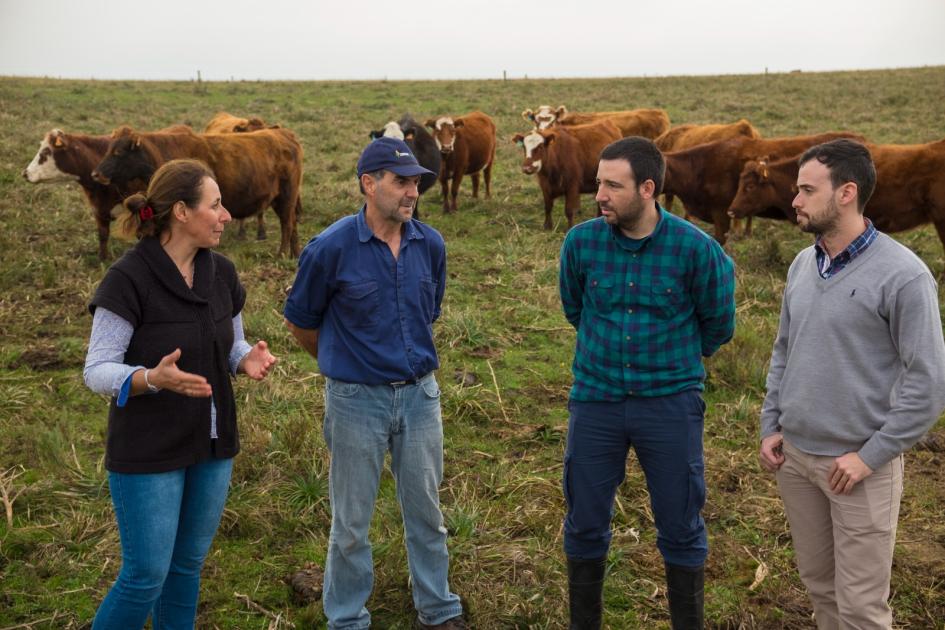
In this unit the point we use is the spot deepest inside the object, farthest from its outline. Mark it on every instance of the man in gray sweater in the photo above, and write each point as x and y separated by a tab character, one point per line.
857	376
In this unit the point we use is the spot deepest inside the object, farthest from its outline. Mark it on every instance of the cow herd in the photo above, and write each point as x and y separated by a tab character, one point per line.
720	172
257	166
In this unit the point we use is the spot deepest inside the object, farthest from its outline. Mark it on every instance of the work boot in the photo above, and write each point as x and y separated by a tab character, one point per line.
585	590
453	623
685	589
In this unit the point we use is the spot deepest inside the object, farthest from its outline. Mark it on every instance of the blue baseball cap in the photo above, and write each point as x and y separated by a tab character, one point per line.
390	154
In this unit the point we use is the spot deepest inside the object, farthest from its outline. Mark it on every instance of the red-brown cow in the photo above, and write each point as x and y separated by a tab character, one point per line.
67	157
565	159
910	187
685	136
467	145
224	122
648	123
254	169
705	177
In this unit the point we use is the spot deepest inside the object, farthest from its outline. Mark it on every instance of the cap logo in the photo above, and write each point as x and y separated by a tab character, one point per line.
401	154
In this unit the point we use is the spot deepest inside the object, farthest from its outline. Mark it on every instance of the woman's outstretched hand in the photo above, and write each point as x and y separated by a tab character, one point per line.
166	375
258	361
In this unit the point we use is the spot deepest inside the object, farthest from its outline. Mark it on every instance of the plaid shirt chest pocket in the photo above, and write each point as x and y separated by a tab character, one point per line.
663	296
603	292
358	304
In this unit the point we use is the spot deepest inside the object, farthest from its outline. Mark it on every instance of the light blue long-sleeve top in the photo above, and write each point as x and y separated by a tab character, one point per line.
106	372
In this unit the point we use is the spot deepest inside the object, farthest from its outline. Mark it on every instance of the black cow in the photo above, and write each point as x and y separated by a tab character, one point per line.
423	146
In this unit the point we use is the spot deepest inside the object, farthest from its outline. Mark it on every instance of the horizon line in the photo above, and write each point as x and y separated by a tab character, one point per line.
522	77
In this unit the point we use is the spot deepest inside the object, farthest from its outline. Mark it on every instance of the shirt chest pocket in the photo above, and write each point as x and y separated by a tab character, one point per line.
358	304
664	296
602	291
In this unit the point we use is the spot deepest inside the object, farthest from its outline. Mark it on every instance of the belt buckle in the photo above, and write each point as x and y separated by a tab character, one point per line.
397	383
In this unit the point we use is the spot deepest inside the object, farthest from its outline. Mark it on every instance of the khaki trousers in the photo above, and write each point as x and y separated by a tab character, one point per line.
843	543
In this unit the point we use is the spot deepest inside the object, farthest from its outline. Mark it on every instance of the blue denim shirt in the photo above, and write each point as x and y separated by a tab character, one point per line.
374	313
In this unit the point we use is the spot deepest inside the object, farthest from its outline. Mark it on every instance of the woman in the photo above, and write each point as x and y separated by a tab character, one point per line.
166	336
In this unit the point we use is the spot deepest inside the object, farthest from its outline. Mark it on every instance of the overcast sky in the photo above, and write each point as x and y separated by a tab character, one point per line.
421	39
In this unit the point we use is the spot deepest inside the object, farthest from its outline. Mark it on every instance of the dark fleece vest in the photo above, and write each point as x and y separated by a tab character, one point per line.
166	431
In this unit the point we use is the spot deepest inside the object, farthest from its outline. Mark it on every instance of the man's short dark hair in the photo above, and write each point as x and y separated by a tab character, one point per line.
848	161
645	159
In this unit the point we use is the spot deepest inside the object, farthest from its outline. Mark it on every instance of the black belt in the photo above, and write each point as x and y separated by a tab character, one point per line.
408	381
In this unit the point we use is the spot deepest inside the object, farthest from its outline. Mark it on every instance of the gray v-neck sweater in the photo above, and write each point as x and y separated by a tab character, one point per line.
859	361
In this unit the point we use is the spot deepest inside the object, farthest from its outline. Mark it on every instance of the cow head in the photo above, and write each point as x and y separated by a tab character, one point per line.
545	117
534	144
44	168
755	190
249	124
390	130
444	132
125	159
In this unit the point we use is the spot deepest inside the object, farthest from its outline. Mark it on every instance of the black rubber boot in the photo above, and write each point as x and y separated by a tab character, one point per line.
685	588
585	592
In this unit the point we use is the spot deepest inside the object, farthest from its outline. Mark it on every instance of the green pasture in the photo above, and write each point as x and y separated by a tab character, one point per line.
505	350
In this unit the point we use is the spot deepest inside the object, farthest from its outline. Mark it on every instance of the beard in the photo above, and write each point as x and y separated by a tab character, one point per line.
625	218
825	223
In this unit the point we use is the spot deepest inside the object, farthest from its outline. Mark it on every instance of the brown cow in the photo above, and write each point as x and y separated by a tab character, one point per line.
910	187
254	169
705	177
467	145
224	122
648	123
72	157
565	159
685	136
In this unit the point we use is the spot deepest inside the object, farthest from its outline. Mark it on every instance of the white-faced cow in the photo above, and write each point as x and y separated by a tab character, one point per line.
71	157
565	160
648	123
467	146
423	146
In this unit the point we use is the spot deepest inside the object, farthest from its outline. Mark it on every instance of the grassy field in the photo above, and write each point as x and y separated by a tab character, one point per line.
505	350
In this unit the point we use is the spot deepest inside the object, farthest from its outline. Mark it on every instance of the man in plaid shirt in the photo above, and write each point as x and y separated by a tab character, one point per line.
650	295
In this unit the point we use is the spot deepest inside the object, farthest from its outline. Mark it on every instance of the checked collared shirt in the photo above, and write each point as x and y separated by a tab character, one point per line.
646	311
828	267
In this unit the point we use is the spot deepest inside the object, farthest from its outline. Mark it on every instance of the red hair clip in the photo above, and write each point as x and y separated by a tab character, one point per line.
146	213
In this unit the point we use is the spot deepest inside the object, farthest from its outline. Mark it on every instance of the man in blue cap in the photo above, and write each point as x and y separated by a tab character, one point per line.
365	297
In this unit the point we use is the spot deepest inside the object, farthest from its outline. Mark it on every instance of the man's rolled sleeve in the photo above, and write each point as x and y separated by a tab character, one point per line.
308	298
714	295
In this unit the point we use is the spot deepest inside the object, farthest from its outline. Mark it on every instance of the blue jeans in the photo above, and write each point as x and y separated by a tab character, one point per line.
666	434
166	522
362	423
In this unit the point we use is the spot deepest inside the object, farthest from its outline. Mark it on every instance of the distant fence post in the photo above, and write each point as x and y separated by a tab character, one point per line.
504	78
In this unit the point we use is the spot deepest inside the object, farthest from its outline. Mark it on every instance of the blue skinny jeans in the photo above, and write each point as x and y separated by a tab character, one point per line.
166	522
